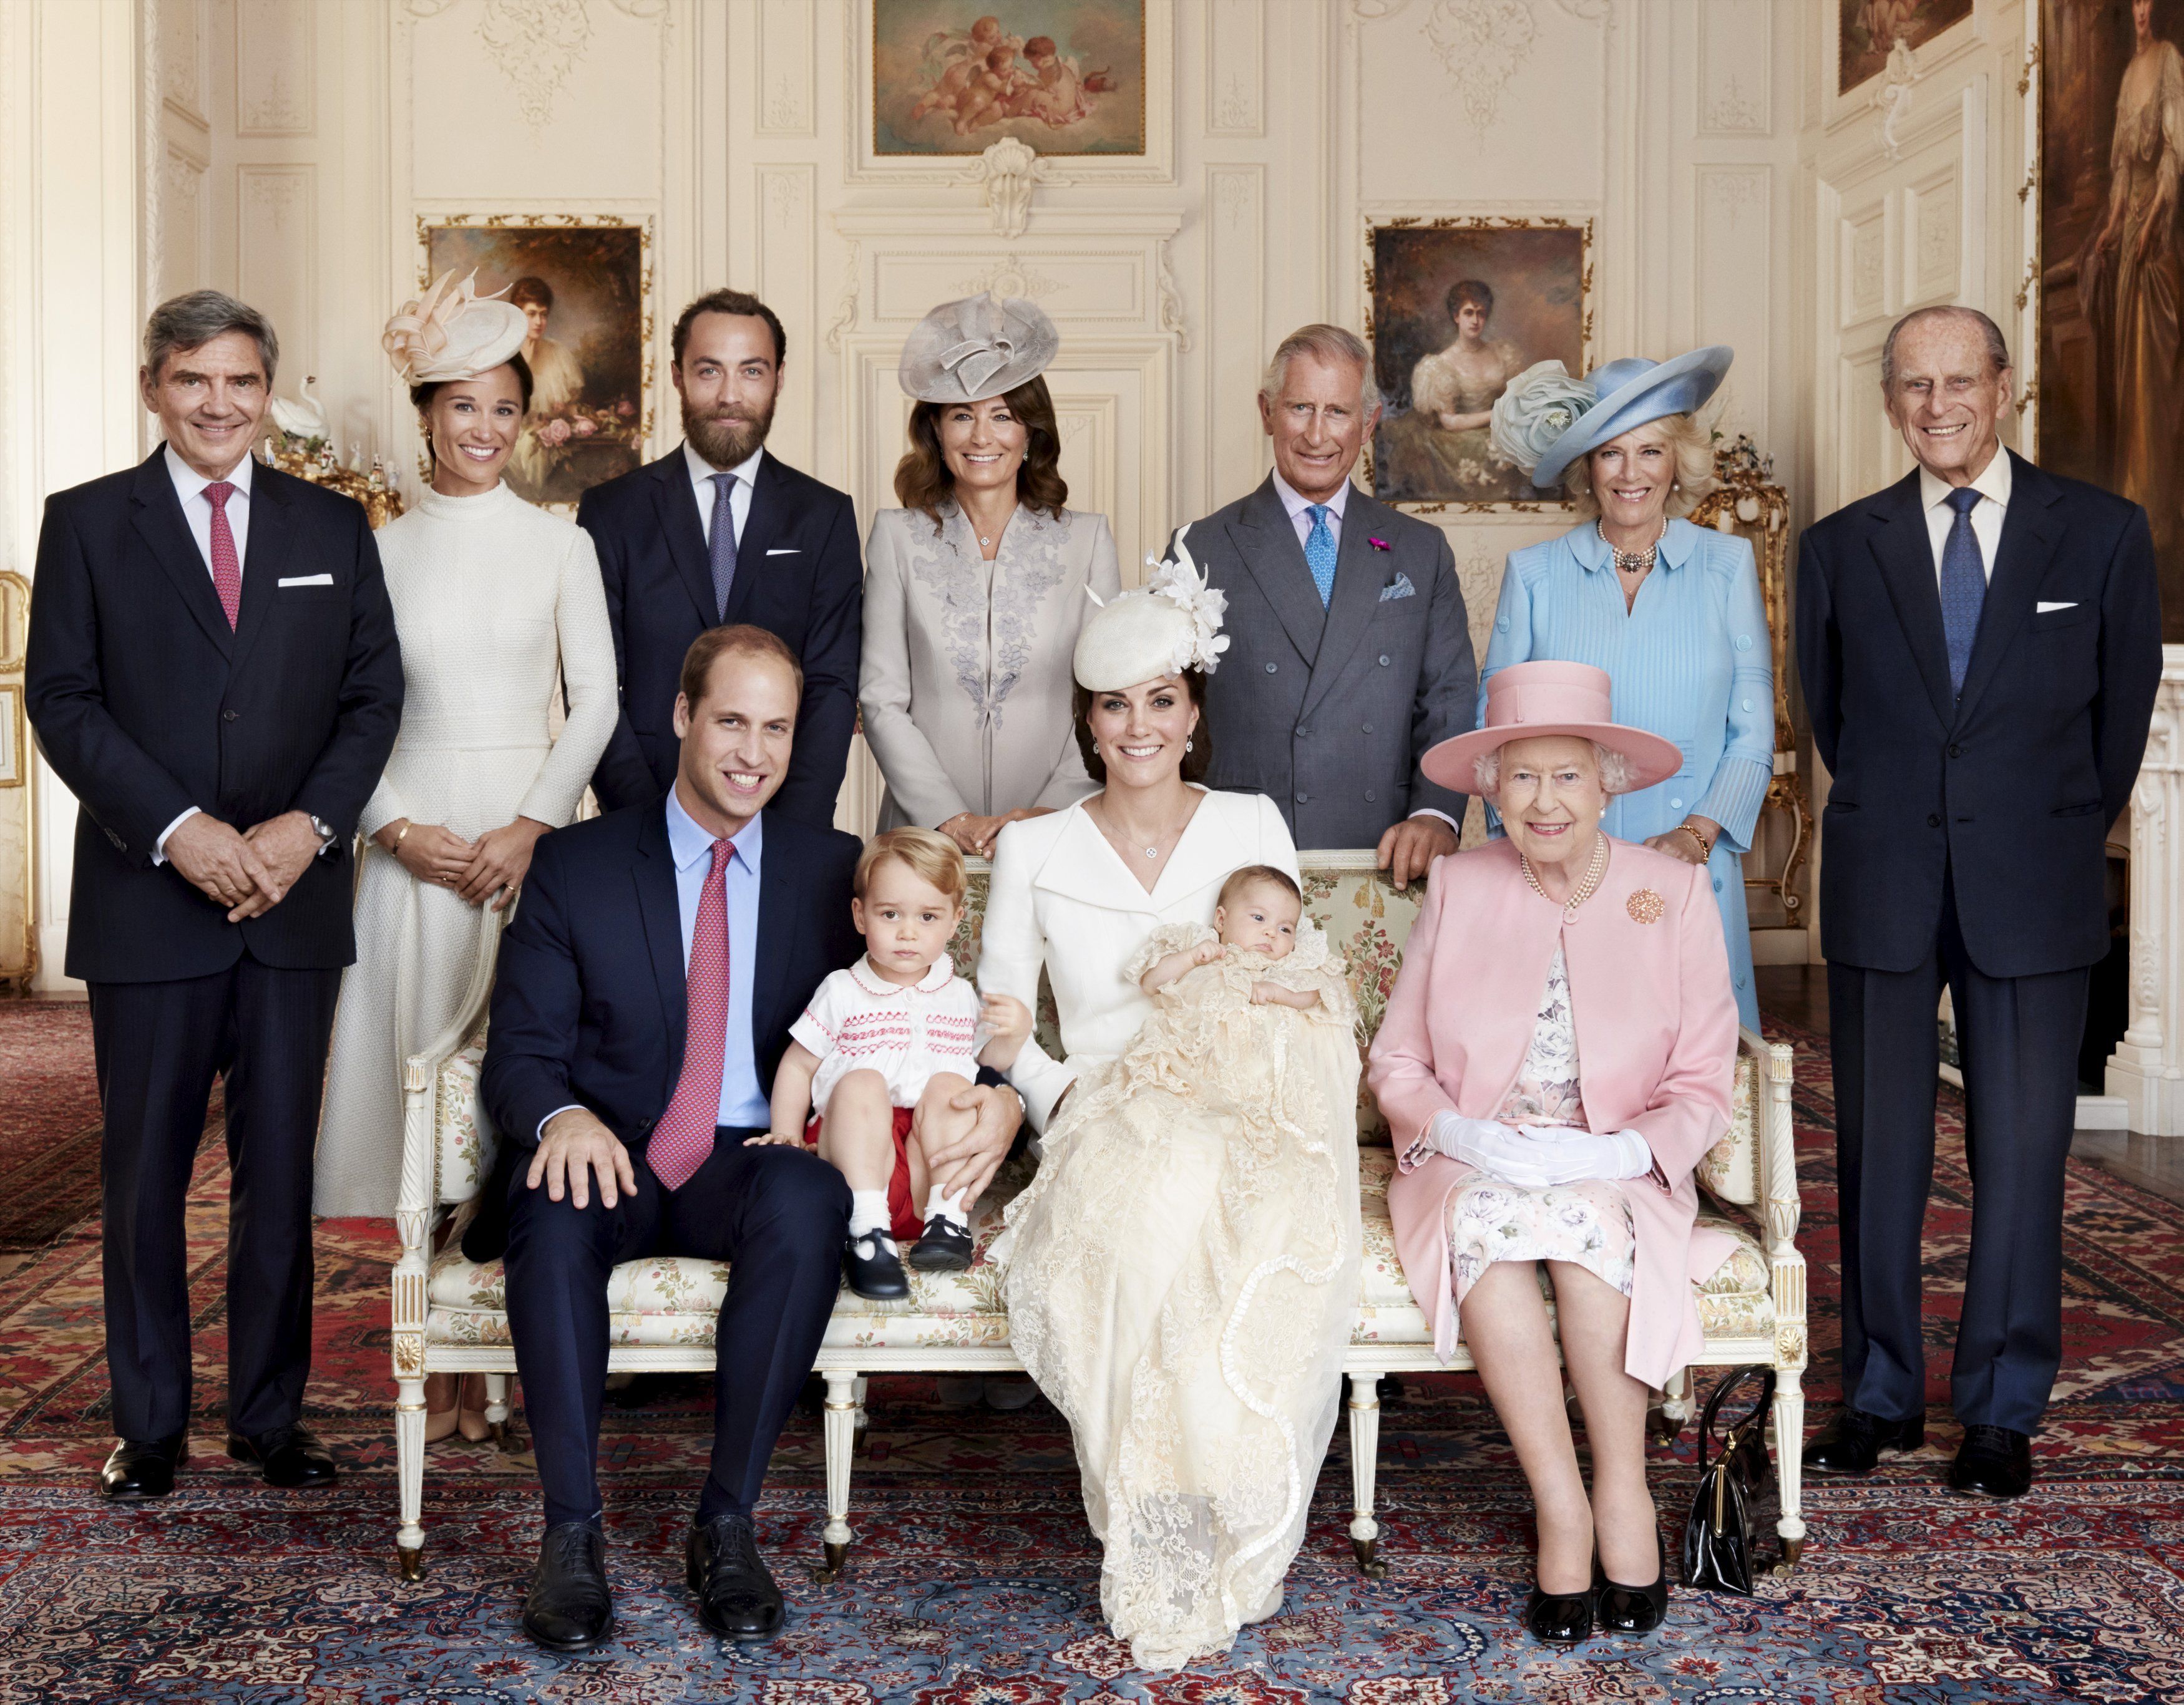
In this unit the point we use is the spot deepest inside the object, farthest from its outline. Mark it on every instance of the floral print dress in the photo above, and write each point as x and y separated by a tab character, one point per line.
1587	1223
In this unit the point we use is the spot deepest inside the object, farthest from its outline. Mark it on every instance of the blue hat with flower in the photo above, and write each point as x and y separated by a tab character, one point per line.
1545	420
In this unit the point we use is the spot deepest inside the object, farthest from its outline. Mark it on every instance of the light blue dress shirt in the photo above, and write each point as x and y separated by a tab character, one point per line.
744	1103
1690	661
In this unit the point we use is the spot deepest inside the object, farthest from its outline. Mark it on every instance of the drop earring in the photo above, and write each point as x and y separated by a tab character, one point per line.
1188	745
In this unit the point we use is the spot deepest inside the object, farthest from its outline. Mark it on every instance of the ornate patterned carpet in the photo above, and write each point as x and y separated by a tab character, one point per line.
974	1580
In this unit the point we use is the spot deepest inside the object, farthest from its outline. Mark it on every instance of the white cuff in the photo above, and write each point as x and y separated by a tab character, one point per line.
540	1136
1428	811
160	846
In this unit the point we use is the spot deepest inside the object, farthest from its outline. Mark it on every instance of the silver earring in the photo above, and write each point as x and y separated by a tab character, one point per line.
1187	745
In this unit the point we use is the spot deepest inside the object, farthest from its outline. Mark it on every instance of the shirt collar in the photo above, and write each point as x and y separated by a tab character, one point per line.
702	472
687	843
189	482
1591	550
1993	483
1296	503
937	978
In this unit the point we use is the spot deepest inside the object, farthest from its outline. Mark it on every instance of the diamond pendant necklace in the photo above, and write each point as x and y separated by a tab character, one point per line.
1584	891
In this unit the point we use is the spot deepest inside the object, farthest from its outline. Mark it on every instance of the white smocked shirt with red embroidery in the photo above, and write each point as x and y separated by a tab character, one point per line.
859	1020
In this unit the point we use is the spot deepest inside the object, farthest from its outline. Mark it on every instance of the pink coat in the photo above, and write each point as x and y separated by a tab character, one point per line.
1657	1054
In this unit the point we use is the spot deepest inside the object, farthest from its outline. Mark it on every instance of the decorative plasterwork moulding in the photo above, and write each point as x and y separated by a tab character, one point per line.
536	43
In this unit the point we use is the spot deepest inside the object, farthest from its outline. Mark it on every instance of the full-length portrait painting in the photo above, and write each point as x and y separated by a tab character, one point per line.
1870	29
581	287
2111	359
1459	309
955	76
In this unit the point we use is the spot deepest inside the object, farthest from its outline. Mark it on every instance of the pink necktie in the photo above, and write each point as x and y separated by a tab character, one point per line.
226	566
684	1135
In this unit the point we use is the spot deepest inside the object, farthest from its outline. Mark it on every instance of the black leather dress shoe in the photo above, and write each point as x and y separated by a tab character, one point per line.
569	1608
737	1598
1994	1460
1561	1619
287	1456
943	1246
875	1267
141	1468
1852	1442
1634	1609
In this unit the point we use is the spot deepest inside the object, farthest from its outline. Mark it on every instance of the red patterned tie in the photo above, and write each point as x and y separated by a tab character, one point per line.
226	566
684	1135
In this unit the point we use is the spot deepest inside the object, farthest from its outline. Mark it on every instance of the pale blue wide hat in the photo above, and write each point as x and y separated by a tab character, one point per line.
1632	392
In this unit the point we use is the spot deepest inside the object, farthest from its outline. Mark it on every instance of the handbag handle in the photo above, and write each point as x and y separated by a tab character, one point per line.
1735	1379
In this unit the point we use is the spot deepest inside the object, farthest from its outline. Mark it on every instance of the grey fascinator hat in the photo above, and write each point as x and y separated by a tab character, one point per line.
1546	419
979	347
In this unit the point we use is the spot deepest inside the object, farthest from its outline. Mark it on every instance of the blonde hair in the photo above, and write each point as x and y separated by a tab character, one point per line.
1253	874
932	857
1693	447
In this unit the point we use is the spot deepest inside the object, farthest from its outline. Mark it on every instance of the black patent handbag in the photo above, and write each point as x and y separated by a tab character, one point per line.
1717	1548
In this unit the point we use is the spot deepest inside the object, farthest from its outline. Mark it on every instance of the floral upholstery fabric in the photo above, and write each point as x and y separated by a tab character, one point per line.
463	1136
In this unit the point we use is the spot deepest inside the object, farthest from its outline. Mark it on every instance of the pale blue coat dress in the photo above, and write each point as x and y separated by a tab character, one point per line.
1690	661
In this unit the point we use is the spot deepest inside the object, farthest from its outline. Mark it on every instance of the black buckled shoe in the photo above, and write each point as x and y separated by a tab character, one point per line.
1560	1619
1852	1442
1635	1609
570	1608
875	1266
943	1246
290	1458
1994	1460
736	1598
141	1469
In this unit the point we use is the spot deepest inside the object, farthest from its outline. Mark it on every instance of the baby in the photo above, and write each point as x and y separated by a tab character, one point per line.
880	1056
986	100
1258	912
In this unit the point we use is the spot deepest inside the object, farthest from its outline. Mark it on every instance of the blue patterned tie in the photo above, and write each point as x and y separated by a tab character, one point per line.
722	546
1964	585
1320	552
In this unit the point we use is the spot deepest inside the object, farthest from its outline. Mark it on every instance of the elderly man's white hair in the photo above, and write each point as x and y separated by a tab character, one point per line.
1328	344
1614	770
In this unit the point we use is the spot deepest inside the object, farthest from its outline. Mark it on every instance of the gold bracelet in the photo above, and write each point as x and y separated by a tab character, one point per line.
404	834
1706	846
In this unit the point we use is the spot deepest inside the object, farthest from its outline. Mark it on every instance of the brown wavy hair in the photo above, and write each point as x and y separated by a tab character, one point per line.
922	479
1196	761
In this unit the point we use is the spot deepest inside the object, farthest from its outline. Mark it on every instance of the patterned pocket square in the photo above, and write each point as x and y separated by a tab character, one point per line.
1399	586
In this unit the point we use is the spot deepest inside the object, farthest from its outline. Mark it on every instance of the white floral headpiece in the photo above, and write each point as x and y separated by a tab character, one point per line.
1537	407
1169	625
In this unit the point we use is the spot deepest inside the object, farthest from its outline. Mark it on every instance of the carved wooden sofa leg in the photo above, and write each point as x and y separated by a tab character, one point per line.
844	1389
1790	1463
496	1408
410	1476
1364	1452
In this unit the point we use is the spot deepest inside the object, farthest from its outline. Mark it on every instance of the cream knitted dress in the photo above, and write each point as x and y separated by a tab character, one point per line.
496	603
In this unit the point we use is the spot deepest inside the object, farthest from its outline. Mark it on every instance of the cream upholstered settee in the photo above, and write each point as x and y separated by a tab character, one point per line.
449	1315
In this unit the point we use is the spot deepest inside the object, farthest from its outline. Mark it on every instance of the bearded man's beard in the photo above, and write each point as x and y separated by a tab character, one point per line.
724	439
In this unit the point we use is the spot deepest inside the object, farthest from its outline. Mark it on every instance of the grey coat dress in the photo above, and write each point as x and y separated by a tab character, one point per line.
965	682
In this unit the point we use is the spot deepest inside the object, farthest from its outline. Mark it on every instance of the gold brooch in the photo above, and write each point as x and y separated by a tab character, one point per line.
1644	906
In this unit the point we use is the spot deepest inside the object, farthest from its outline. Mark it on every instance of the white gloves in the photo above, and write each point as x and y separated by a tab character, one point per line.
1538	1156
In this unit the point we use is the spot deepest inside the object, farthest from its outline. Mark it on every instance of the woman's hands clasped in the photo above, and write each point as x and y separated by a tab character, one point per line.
1538	1156
976	834
495	863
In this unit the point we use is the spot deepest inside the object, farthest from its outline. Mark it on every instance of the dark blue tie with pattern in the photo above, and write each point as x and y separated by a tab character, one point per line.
721	549
1964	585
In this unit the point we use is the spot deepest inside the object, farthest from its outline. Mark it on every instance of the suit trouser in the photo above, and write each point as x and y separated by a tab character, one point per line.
778	1215
159	1046
2018	1040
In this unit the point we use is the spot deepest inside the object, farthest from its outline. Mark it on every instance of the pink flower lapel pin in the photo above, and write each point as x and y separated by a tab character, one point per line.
1377	544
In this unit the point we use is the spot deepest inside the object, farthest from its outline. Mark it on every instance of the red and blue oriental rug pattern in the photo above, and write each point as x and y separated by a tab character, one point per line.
975	1580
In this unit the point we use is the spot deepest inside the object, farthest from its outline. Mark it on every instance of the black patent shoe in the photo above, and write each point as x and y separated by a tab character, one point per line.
1852	1442
569	1608
141	1469
875	1267
1634	1609
736	1598
290	1458
943	1246
1560	1619
1994	1460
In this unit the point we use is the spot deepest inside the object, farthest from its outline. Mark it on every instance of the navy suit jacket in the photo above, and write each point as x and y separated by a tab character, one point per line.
799	574
146	703
2010	787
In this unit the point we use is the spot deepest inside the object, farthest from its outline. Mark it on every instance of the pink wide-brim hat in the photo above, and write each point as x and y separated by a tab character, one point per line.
1531	701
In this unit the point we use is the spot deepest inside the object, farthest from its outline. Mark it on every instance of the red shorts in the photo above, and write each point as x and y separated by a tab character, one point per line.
908	1221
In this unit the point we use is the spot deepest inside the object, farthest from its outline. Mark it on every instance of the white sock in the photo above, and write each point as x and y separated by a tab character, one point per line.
948	1206
869	1213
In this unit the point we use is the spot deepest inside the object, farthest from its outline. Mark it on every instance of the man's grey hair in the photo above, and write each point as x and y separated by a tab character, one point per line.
1327	343
1615	771
183	323
1997	346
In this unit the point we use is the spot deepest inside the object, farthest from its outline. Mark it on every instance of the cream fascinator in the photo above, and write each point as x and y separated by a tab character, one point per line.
979	347
1171	623
452	332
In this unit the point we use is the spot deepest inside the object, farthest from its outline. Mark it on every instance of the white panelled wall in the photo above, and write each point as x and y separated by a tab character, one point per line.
288	150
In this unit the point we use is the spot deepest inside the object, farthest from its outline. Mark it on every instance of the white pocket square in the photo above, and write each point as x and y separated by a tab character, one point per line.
1399	586
783	550
2037	609
308	580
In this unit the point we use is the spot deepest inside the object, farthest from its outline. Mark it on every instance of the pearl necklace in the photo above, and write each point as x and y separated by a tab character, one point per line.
1585	890
1633	561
